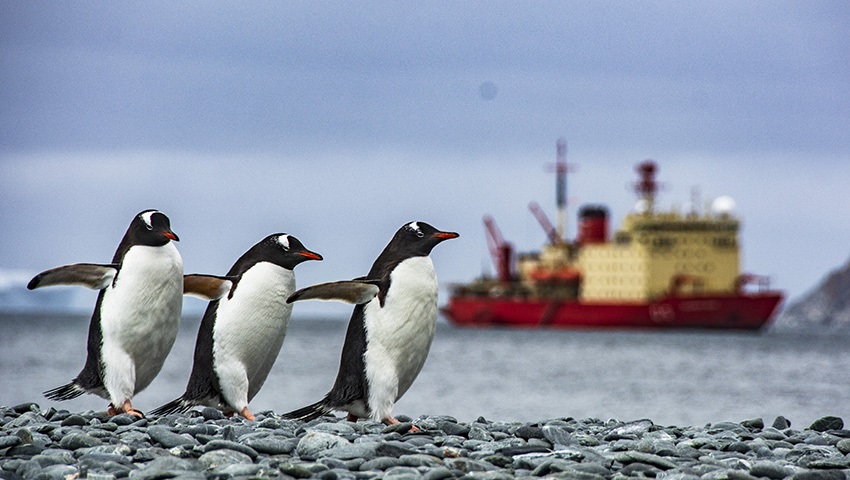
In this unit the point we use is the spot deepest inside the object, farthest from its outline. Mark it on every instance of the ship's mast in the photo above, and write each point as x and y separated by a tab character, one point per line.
561	187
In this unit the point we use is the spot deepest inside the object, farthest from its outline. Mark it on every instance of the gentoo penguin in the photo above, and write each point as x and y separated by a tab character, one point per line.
390	331
135	319
241	333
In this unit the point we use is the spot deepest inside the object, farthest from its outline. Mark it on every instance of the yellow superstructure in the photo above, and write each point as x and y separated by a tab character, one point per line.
654	254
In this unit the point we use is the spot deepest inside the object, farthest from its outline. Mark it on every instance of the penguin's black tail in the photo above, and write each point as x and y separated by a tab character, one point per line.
178	405
310	412
65	392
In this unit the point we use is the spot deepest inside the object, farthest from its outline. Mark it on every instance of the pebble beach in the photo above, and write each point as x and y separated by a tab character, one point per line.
50	444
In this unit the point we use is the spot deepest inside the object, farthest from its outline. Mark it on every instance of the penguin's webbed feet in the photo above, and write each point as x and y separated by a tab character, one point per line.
393	421
247	414
126	407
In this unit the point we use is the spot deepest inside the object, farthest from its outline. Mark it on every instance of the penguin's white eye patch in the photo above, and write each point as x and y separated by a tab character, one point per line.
146	217
415	227
283	240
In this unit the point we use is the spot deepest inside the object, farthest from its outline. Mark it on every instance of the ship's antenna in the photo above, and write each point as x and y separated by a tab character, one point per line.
561	168
647	187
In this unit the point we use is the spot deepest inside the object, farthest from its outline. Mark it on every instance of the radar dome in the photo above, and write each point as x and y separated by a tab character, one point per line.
723	206
642	206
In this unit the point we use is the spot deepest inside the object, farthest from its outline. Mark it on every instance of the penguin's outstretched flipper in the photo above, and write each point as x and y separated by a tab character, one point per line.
206	287
348	291
91	275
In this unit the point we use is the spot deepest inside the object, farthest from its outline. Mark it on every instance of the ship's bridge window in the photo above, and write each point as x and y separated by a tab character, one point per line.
663	242
724	242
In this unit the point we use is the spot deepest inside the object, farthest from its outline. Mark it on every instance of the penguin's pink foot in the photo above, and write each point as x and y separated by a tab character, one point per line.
248	415
351	417
126	407
393	421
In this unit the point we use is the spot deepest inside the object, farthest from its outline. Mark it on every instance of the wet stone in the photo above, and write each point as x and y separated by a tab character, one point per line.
314	442
819	475
438	473
528	432
648	458
557	435
169	439
827	423
74	421
74	441
272	445
124	419
392	449
9	441
401	427
224	444
366	451
454	428
223	458
781	423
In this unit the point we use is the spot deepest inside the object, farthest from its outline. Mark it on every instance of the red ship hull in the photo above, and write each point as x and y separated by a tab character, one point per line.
741	311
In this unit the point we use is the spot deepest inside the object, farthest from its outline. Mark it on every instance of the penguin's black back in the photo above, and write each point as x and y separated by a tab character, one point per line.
351	384
203	382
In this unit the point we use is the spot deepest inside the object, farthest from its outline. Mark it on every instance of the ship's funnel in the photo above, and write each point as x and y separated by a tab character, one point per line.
592	225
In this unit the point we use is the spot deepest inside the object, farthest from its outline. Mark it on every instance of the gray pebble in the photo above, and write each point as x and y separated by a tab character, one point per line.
770	470
827	423
819	475
647	458
210	413
314	442
296	471
454	428
349	451
340	429
227	445
272	445
77	440
169	439
781	423
222	458
124	419
9	441
557	435
437	473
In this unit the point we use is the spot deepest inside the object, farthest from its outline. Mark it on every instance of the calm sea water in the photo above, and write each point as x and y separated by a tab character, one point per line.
672	378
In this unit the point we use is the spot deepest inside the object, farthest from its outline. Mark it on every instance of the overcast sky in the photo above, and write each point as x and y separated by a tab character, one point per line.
338	122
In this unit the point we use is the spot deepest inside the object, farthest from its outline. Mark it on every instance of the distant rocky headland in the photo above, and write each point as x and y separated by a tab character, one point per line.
825	307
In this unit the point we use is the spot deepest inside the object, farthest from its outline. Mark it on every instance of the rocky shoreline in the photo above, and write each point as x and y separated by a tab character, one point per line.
60	445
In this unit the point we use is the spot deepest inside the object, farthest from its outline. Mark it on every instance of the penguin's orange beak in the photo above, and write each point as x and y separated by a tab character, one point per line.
171	235
310	255
446	235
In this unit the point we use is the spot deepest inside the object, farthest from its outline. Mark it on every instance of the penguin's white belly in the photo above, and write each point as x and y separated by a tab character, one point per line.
399	334
249	331
140	316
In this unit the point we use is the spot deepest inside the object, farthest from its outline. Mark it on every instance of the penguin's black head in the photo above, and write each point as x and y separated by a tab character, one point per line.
418	238
151	228
285	250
